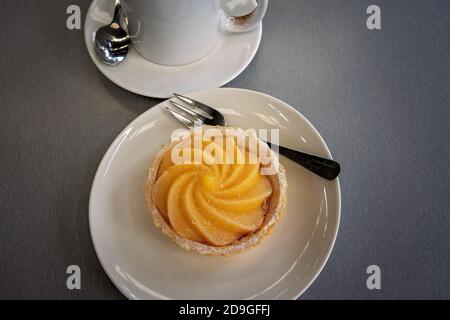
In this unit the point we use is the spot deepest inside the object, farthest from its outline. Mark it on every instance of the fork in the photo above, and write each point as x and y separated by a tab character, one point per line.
193	112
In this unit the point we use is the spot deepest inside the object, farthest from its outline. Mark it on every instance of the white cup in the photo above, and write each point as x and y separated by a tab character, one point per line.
177	32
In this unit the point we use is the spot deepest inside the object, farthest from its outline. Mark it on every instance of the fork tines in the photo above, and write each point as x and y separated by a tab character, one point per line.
200	108
191	112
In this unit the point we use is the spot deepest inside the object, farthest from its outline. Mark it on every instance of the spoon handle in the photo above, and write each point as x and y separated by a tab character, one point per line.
117	11
325	168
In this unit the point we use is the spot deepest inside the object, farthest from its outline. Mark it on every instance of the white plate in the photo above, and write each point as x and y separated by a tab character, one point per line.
145	264
231	55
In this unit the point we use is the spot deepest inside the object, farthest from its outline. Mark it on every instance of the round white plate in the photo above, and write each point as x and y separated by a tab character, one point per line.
231	55
145	264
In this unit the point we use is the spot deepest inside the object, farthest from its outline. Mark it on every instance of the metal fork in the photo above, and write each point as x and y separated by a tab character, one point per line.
193	112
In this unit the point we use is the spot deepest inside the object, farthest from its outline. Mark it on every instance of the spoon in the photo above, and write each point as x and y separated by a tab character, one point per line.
112	41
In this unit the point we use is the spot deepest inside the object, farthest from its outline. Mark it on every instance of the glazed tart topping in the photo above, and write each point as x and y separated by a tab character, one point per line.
211	192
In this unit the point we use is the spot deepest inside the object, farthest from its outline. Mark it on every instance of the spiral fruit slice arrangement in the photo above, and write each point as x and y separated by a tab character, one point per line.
209	194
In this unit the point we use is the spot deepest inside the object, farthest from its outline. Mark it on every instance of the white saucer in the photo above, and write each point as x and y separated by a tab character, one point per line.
232	54
145	264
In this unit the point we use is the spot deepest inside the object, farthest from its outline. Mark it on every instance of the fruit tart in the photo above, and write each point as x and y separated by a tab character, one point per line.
216	193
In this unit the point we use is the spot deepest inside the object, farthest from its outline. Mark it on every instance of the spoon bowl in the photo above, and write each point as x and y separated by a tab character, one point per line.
112	42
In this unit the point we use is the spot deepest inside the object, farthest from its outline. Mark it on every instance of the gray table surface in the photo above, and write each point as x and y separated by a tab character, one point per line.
381	100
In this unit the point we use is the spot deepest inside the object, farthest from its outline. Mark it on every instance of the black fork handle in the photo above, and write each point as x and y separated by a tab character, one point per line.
325	168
